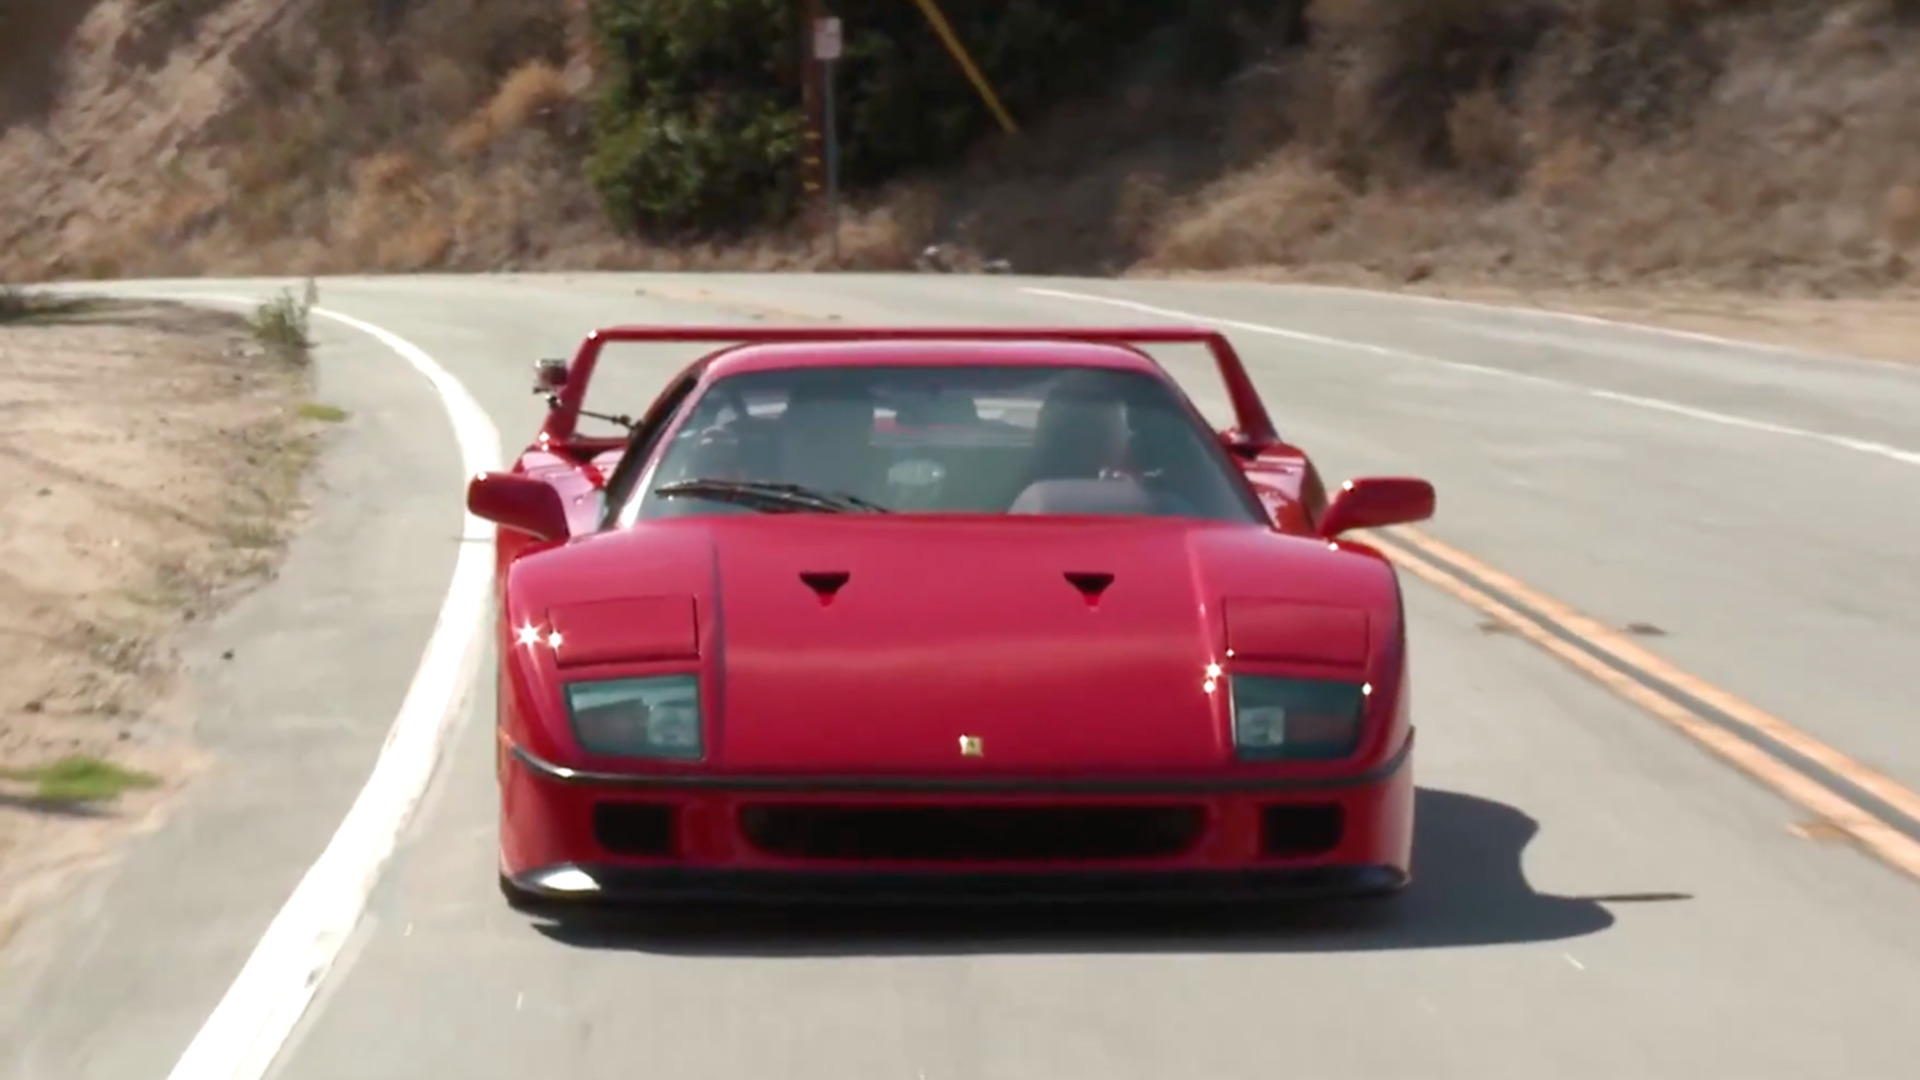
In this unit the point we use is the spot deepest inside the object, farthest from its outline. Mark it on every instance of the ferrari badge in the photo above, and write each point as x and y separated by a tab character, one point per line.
971	746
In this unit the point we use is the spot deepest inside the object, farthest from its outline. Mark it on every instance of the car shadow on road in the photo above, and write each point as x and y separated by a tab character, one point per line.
1469	889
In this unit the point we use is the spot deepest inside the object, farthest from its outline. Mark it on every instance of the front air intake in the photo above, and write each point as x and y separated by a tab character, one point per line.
1300	830
634	830
971	833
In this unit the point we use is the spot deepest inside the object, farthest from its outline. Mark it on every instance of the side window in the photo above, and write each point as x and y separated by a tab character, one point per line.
712	410
646	436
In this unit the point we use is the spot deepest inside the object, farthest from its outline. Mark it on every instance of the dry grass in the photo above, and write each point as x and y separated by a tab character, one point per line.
1738	144
1743	144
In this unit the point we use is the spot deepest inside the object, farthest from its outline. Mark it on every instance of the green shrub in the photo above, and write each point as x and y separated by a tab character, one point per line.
699	122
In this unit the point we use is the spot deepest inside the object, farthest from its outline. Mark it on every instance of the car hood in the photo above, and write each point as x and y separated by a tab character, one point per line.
861	644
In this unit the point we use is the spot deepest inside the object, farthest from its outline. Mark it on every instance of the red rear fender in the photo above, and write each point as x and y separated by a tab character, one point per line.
1288	485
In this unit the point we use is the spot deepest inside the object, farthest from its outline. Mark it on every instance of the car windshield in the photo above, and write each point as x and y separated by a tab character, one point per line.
1019	439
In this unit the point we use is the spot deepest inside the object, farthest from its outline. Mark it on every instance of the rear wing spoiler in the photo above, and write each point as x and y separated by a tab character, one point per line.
565	382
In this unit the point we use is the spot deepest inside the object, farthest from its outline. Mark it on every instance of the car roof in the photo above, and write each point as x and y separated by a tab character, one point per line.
778	356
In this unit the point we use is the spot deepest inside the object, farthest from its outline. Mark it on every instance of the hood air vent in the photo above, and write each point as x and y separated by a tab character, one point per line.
824	583
1090	583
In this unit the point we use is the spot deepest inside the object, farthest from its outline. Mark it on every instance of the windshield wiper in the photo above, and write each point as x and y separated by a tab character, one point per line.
772	497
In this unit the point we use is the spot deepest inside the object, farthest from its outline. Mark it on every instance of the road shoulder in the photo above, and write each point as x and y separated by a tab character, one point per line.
281	703
151	470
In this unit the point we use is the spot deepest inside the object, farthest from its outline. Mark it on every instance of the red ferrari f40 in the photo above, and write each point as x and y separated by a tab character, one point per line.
951	614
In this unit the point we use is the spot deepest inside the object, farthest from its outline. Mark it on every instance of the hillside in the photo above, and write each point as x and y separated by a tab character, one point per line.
1748	144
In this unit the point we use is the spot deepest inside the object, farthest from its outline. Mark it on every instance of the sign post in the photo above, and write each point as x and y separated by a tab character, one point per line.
827	47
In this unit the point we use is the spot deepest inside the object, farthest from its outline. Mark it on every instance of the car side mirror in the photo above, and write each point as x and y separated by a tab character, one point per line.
549	375
1375	501
1245	446
520	503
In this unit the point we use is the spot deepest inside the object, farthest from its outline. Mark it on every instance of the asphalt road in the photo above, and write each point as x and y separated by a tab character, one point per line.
1596	897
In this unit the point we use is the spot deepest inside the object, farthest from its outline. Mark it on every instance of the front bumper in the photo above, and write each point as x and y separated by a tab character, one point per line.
693	840
634	885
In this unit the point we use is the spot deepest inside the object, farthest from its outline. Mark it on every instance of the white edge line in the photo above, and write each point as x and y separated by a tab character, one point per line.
245	1032
1843	442
1552	313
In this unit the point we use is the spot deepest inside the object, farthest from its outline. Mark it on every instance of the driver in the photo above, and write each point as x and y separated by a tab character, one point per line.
825	441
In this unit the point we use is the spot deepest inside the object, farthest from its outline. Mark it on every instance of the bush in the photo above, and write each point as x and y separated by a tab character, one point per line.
699	122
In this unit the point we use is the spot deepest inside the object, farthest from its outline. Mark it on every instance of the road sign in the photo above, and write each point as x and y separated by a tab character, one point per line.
826	39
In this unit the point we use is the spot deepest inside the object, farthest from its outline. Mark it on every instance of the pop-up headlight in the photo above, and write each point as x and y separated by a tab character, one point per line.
657	717
1278	719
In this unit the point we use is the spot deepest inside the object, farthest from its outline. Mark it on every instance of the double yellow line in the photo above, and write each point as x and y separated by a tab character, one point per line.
1873	810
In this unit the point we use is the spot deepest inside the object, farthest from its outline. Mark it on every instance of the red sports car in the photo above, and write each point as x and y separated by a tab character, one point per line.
954	614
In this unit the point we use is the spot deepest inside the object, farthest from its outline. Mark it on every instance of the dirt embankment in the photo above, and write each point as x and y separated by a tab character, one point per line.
1729	144
150	465
1724	144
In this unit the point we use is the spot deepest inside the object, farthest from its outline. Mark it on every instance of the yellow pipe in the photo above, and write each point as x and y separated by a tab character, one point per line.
959	51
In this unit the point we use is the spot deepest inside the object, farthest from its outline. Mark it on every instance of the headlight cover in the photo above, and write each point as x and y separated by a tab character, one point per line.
1278	719
654	717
